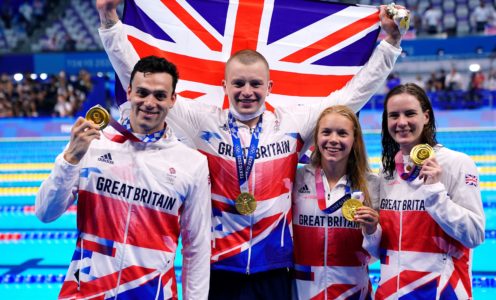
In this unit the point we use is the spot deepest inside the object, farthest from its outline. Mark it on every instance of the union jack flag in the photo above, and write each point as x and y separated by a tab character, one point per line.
471	179
312	47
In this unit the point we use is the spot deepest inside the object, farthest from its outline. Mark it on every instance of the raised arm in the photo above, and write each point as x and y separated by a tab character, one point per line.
183	118
59	190
371	77
114	40
364	84
196	231
107	10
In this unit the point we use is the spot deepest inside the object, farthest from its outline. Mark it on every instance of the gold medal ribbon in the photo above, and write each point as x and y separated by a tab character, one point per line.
102	118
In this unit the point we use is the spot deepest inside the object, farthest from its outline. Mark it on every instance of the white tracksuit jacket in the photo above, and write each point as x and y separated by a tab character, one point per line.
133	202
428	231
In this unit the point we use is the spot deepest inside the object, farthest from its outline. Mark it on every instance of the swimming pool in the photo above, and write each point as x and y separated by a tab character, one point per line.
35	255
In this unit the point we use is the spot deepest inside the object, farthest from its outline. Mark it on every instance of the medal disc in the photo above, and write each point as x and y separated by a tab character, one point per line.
246	203
349	208
420	153
99	116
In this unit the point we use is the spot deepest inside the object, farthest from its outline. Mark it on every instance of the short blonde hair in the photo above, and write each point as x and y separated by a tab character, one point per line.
247	57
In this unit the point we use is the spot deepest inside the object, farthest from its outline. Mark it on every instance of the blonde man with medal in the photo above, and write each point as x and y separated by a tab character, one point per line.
253	155
431	212
138	188
332	199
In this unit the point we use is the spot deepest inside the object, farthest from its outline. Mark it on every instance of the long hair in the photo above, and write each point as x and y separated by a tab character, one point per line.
357	166
428	136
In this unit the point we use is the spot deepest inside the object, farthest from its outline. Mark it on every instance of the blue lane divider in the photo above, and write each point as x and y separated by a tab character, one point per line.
58	235
54	278
489	204
477	281
20	184
12	209
39	235
490	234
30	278
28	209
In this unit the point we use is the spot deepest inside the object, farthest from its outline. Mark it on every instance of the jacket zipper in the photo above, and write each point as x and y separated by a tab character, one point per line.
249	246
123	250
399	253
252	177
325	259
251	219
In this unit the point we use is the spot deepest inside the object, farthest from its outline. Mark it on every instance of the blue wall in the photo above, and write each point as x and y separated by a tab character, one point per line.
52	63
451	46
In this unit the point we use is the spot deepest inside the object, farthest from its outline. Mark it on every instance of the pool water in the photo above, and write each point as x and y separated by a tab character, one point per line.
35	255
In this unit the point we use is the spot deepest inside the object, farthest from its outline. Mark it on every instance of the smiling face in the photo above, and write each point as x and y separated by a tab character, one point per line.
247	85
151	96
335	138
406	120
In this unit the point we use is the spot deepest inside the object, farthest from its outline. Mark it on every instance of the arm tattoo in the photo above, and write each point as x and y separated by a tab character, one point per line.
108	23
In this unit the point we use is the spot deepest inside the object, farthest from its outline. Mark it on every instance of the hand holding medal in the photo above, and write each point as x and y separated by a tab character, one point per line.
420	153
99	116
368	218
355	211
400	16
82	133
350	206
422	156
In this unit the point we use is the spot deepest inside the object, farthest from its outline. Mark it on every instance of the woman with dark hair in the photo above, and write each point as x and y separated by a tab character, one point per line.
330	262
431	211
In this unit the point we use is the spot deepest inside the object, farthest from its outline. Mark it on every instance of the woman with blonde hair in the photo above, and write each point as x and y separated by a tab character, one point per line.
329	259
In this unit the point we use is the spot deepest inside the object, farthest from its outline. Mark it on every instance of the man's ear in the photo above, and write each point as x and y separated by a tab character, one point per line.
269	87
173	100
128	92
224	86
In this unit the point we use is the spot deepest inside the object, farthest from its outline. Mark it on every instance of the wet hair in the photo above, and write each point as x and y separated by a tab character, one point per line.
154	64
428	136
357	166
248	57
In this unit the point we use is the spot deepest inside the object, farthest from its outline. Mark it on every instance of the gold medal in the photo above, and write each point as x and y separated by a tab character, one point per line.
400	16
246	203
349	208
99	116
420	153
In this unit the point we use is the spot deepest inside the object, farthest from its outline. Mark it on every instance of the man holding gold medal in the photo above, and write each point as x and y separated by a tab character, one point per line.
138	188
431	212
252	155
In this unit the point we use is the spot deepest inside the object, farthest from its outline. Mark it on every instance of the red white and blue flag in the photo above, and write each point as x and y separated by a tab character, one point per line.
313	47
471	180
